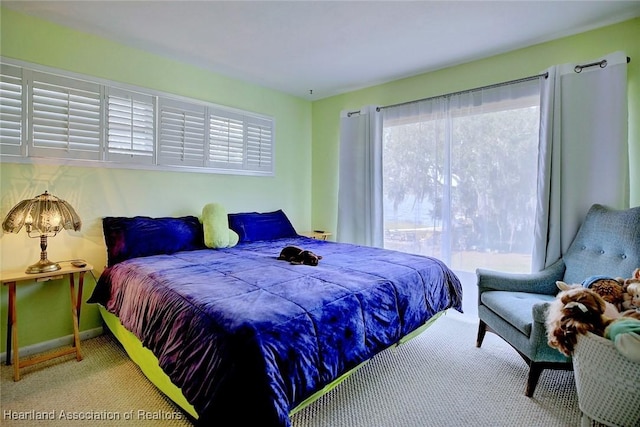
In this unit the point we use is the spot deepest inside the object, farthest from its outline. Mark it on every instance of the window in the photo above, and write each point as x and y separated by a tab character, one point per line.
65	118
459	177
226	139
130	126
49	114
11	111
183	139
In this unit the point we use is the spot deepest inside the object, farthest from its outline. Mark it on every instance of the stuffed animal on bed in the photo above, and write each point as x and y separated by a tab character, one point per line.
296	255
576	310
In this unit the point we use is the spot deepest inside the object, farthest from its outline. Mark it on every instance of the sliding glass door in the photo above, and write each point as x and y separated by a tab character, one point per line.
459	177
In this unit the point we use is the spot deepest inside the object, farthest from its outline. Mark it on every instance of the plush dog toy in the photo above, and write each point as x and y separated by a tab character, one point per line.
611	310
296	255
575	311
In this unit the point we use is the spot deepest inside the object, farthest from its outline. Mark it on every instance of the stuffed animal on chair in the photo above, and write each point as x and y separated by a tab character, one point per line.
575	311
631	297
611	290
633	290
611	310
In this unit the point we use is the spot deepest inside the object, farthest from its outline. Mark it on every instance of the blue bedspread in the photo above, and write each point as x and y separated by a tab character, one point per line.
237	328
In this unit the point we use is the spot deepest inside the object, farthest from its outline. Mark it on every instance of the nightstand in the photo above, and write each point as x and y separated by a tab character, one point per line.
11	279
316	234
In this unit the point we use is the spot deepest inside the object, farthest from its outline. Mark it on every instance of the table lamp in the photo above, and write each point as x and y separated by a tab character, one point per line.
43	216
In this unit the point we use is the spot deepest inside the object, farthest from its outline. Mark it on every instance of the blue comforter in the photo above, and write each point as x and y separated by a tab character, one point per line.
238	328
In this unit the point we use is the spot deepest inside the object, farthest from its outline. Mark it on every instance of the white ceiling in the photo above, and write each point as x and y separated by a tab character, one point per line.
329	47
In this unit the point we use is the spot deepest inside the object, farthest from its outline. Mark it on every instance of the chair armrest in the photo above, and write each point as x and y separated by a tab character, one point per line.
540	312
542	282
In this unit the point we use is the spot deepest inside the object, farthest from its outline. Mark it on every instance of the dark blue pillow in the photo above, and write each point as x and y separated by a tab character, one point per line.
131	237
254	226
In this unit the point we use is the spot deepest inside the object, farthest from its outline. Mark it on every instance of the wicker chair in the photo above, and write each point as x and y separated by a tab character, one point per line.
608	383
514	306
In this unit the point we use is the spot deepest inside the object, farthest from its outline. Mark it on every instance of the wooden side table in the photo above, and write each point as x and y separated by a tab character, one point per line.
11	279
316	234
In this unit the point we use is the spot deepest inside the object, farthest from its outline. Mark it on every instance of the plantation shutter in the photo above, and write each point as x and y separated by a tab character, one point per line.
259	133
226	140
238	141
130	127
65	117
52	114
11	110
182	139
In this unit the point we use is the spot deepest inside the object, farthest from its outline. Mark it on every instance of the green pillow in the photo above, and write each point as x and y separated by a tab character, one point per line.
215	224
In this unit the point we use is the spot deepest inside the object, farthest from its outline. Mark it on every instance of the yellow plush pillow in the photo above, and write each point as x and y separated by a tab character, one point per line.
215	224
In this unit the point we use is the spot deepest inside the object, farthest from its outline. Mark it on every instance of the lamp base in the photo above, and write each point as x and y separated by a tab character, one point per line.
42	266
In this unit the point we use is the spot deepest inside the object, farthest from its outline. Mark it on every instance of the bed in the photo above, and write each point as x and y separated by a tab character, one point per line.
236	328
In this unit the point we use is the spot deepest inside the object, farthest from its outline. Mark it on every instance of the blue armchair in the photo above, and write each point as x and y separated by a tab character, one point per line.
514	306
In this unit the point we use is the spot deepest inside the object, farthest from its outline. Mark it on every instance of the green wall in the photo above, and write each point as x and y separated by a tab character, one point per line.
513	65
96	192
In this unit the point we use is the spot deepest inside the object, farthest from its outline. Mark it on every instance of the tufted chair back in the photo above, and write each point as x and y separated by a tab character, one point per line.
607	243
514	306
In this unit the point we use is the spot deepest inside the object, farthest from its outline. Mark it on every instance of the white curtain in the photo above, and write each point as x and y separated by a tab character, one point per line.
450	163
583	152
360	181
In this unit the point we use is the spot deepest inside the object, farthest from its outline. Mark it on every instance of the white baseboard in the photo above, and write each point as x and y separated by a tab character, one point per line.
55	343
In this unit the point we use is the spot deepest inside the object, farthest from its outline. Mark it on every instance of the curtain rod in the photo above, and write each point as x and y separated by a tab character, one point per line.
524	79
602	64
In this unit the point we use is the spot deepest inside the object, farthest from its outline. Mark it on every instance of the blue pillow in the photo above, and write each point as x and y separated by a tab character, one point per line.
254	226
132	237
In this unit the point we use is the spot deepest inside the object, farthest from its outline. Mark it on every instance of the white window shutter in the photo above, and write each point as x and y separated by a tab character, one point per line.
65	117
11	91
226	140
259	132
52	114
182	133
130	126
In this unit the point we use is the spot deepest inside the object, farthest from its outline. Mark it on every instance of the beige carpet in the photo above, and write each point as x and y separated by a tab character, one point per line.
105	389
441	379
437	379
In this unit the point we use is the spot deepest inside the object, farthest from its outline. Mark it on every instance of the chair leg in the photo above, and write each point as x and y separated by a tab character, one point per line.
482	329
535	370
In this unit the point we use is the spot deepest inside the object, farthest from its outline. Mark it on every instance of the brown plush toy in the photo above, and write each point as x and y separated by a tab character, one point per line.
611	290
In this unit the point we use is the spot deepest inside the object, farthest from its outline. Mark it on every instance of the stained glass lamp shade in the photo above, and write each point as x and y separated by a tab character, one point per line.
43	216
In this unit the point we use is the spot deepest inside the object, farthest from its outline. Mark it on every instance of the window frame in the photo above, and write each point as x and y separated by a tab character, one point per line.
159	158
